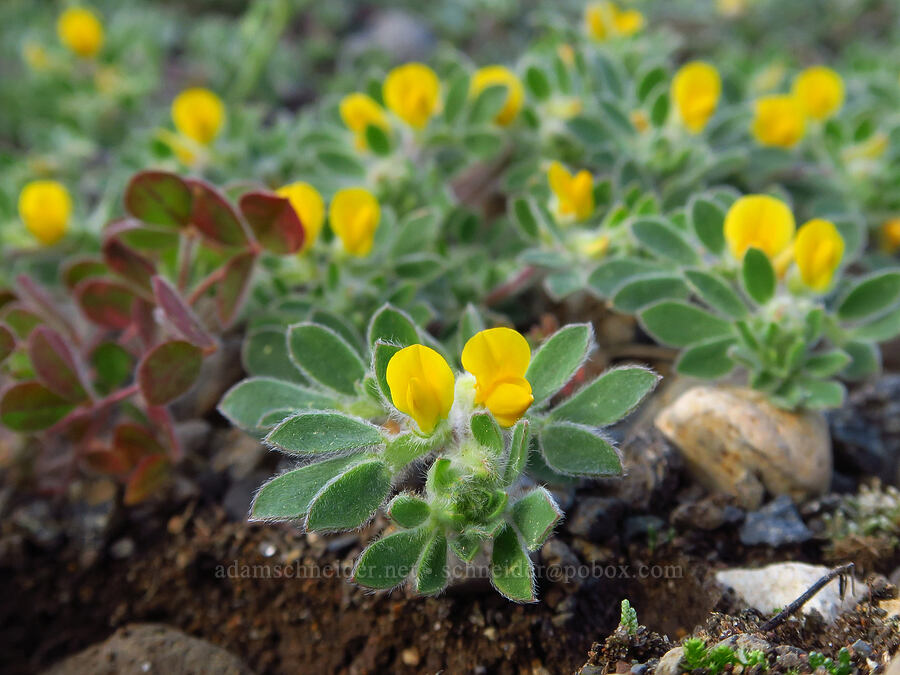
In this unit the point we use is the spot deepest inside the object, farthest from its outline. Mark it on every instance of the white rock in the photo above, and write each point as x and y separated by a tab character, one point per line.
770	589
670	663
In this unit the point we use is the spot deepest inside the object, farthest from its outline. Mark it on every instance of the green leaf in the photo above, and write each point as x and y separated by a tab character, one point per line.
717	293
866	360
758	276
431	572
248	401
168	371
708	221
407	510
55	364
466	546
679	324
488	103
886	327
341	164
649	80
561	285
159	198
589	130
113	365
388	561
470	323
274	222
659	111
537	83
377	140
870	296
608	398
511	569
486	431
823	394
457	94
326	357
30	406
288	496
314	433
265	353
664	241
524	216
518	453
708	360
557	359
350	500
405	448
636	294
611	275
827	364
577	451
391	325
214	216
535	515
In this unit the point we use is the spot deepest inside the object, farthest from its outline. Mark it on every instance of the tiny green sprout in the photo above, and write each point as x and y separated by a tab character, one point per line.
694	653
628	621
698	657
361	415
844	666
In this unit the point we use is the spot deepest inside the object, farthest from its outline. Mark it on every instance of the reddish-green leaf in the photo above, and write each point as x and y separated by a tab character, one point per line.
55	364
145	322
214	216
106	303
7	342
159	198
148	477
274	222
109	462
128	263
169	370
20	320
30	406
232	290
113	365
84	268
136	442
161	419
182	317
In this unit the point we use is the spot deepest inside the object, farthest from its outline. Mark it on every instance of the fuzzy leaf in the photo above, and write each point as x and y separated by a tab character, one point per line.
313	433
487	433
576	450
609	398
535	515
487	104
664	241
265	353
389	324
870	296
431	572
883	328
525	218
466	546
708	360
168	371
557	359
708	221
273	222
679	324
717	293
55	364
511	569
339	325
159	198
214	216
758	276
638	293
148	477
288	496
30	406
823	394
518	453
105	303
388	561
180	315
408	510
457	93
827	364
128	263
232	290
381	356
537	83
249	400
325	357
611	275
351	499
866	360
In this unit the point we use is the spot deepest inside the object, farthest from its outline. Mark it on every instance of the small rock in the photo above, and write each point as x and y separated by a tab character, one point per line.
892	607
490	633
735	441
789	658
151	648
652	469
707	514
746	642
670	663
596	518
639	669
862	648
776	524
774	587
38	525
410	656
123	548
894	667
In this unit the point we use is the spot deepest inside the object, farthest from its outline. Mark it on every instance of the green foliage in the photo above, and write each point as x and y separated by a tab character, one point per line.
843	666
628	620
697	656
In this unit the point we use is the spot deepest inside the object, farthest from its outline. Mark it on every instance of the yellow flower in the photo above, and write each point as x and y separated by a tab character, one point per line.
358	112
45	208
80	30
309	207
574	195
779	121
818	250
759	221
198	114
412	92
820	91
35	56
498	75
593	245
604	20
421	385
564	107
566	54
890	235
696	89
639	120
354	215
499	358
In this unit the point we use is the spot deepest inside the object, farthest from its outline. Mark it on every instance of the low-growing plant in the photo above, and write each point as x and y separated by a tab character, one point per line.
368	418
697	656
628	621
843	666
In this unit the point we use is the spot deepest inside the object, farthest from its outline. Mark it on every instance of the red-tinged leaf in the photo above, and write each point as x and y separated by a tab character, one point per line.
55	364
7	341
30	406
136	442
151	474
159	198
165	423
143	237
233	288
106	303
274	222
168	371
20	320
128	263
142	313
42	302
110	462
180	314
214	216
84	268
113	366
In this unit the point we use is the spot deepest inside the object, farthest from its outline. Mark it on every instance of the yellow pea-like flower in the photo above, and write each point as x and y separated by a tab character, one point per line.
820	91
779	121
421	385
639	120
890	235
574	194
604	20
198	114
412	92
354	215
490	76
759	221
45	207
696	89
499	358
80	30
818	251
358	112
309	207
